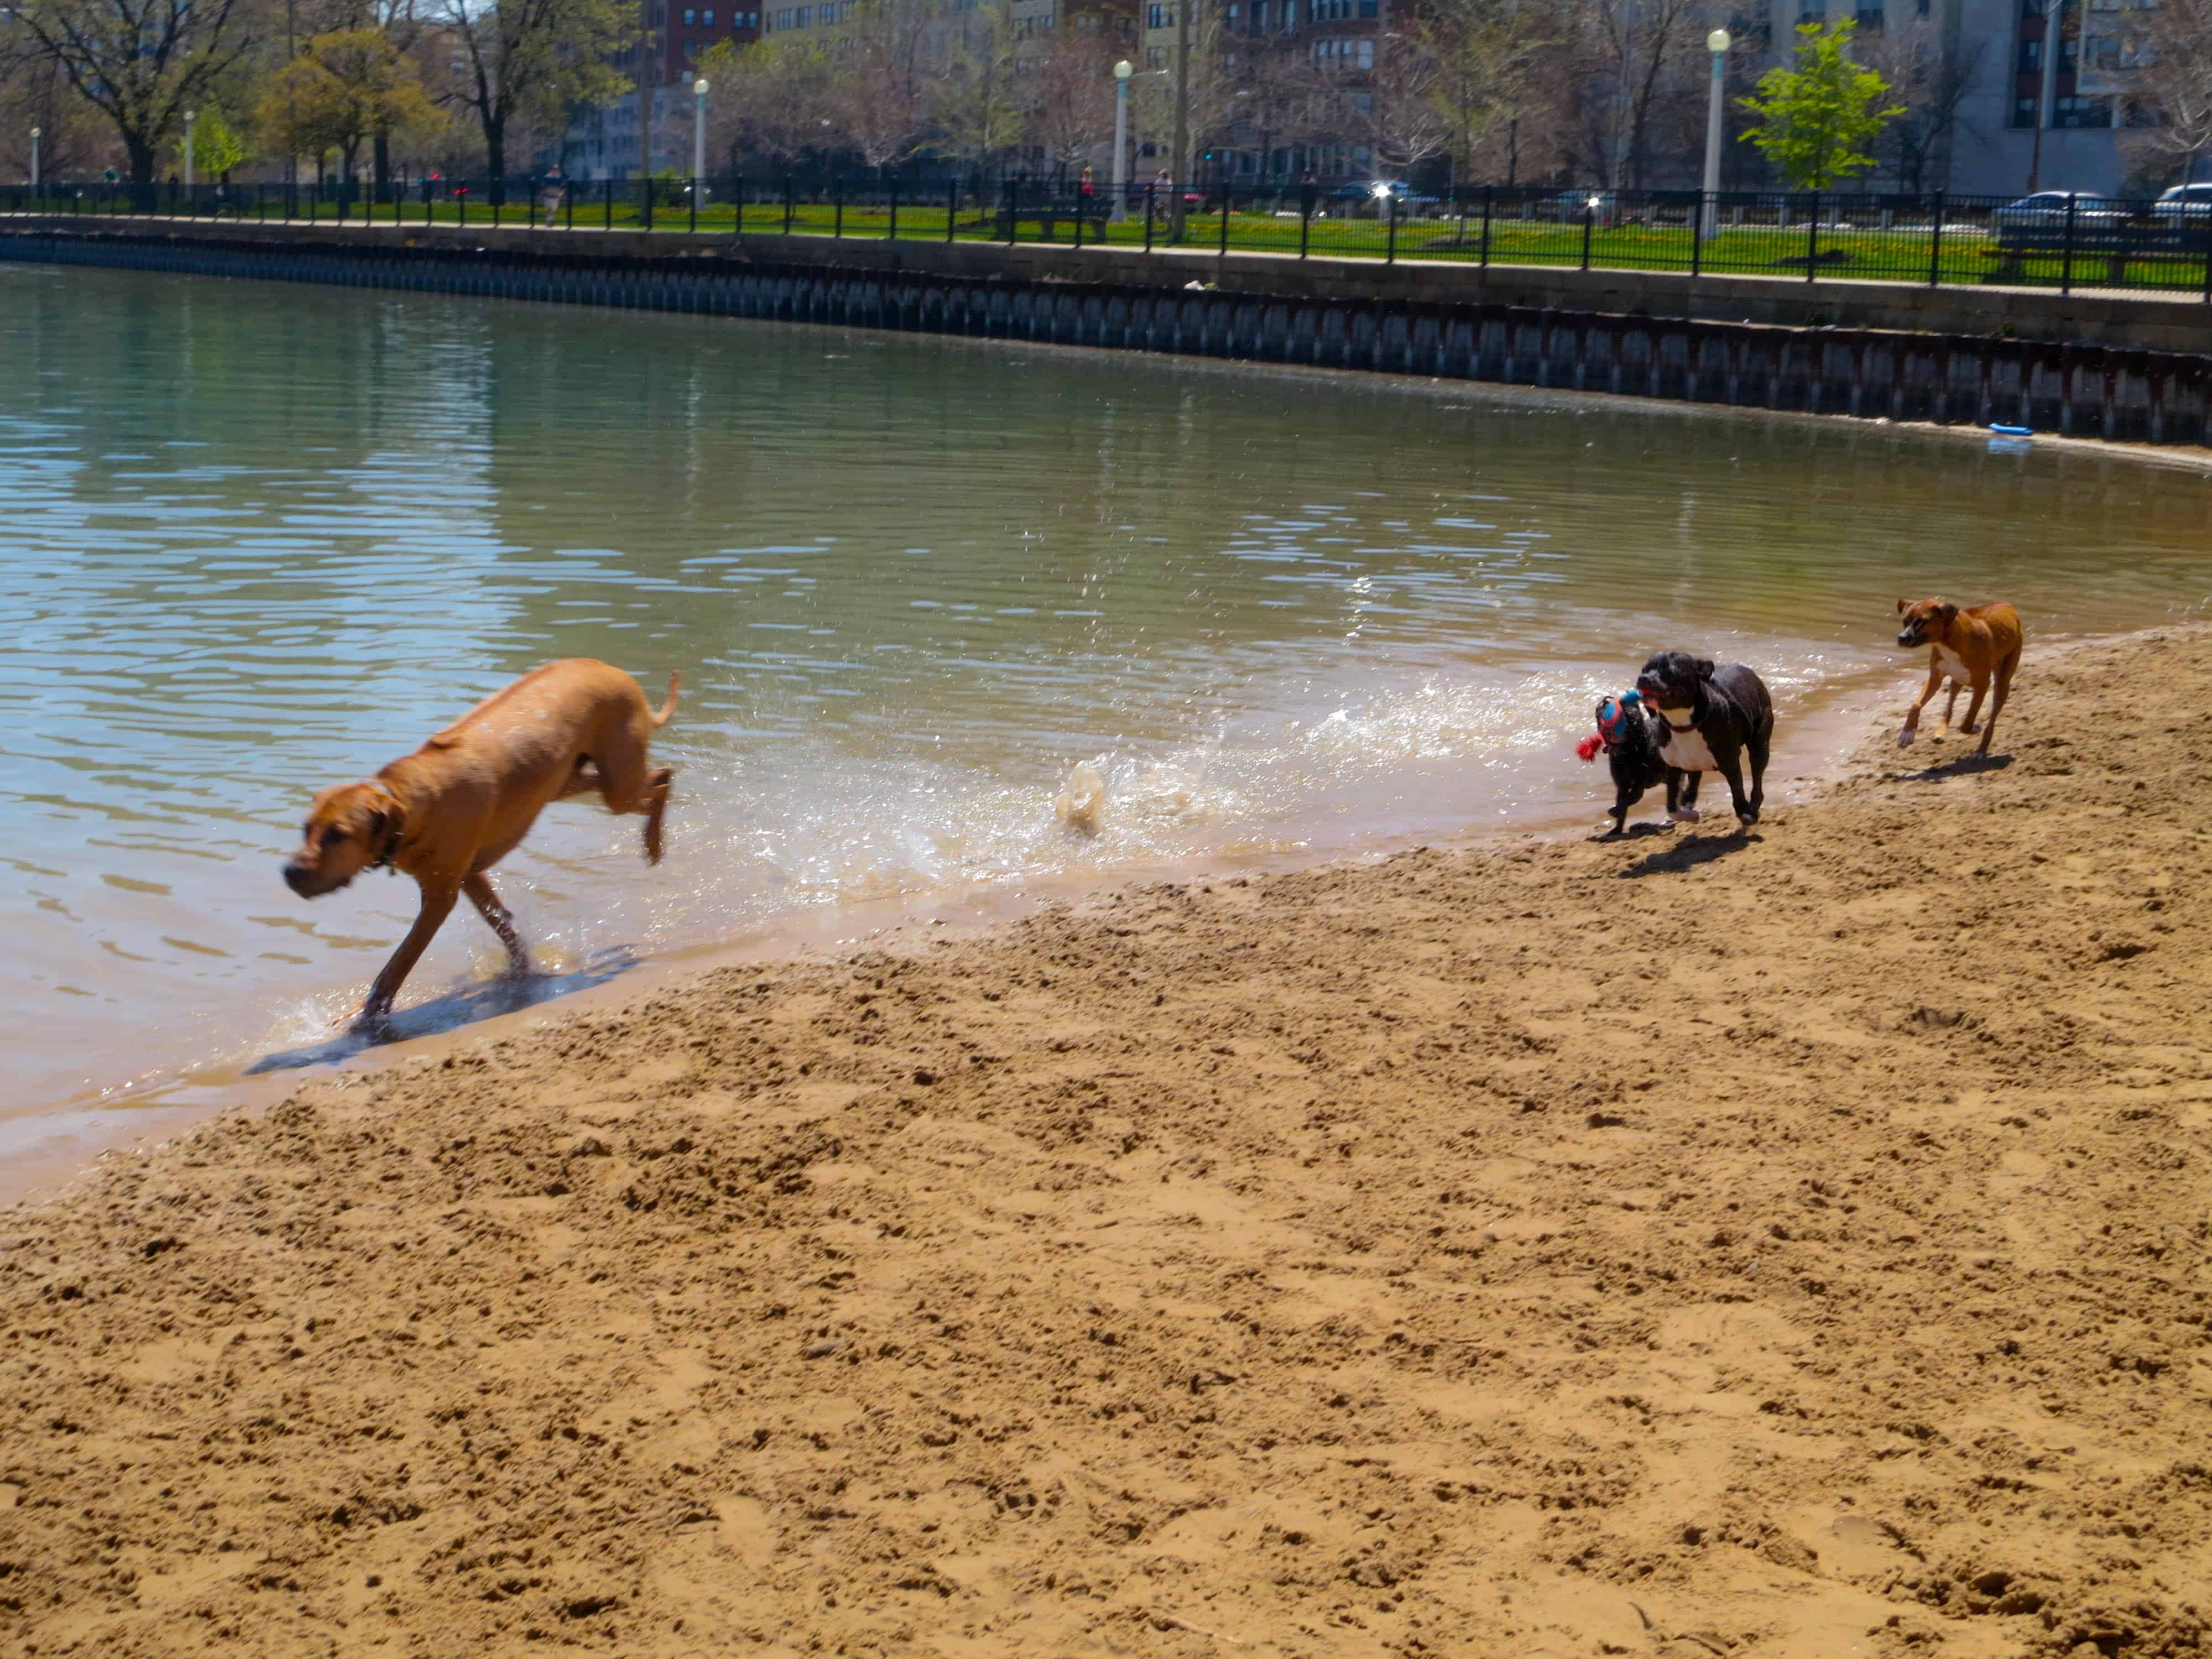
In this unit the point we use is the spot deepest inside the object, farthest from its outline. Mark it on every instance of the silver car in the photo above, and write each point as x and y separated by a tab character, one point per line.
2046	210
2184	204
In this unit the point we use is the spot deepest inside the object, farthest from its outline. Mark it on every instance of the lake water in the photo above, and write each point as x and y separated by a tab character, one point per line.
260	538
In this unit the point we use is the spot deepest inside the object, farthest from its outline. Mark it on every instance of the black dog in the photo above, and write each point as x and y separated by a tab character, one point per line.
1631	734
1714	717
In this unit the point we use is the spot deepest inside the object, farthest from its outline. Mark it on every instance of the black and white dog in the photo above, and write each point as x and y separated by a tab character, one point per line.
1629	732
1714	717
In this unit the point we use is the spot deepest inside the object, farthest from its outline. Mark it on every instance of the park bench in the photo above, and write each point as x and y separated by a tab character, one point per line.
1048	216
2116	243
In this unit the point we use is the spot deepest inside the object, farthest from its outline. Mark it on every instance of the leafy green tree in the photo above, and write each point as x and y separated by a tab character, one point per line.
140	63
215	148
1817	120
349	86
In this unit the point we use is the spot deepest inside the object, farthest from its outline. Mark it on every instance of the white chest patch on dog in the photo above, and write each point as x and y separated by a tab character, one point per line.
1952	664
1686	750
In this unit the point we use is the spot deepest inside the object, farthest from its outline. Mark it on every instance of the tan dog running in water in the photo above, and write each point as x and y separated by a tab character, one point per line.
465	800
1974	649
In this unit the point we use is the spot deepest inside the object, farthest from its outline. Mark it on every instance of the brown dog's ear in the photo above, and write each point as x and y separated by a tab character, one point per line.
1902	607
1949	612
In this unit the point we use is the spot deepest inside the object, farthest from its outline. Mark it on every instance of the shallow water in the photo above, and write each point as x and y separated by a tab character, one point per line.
260	538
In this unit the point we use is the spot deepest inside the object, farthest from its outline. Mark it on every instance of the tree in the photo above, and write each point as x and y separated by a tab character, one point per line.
1397	108
1931	84
349	86
880	92
525	60
1065	83
770	98
2171	49
74	139
216	149
141	62
977	111
1484	53
1816	119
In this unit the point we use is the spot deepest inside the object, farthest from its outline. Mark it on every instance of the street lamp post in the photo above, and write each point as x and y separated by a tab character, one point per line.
698	134
190	116
2054	33
1122	71
35	161
1716	43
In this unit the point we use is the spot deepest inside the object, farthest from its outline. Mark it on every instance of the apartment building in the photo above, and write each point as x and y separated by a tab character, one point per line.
2016	129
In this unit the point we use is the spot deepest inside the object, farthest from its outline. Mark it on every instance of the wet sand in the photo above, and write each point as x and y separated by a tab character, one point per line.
1792	1245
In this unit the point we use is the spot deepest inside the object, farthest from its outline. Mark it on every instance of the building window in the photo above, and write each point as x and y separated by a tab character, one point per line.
707	17
1367	54
1871	20
805	17
2081	113
1154	57
1370	8
2023	111
2030	57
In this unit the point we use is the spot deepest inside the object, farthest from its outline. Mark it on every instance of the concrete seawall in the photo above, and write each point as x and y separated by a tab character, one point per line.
1597	330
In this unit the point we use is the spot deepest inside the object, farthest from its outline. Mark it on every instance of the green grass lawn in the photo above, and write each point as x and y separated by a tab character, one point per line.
1969	255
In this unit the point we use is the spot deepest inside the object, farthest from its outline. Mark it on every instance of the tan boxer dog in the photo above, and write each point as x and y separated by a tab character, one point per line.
1975	648
465	800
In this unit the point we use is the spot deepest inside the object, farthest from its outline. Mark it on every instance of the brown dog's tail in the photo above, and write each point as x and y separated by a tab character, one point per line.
669	708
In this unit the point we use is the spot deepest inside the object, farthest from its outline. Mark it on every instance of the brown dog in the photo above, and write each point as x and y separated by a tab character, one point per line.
1971	648
463	800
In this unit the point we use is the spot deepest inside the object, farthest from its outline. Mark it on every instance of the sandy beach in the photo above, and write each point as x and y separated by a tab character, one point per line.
1793	1245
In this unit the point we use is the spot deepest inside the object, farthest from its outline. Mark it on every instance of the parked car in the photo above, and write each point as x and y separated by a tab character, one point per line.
2184	204
2046	210
1378	192
1571	206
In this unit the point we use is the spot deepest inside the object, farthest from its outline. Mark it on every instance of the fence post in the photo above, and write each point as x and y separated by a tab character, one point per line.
1148	216
1935	244
695	206
1013	211
1079	205
1223	244
2066	257
892	234
1813	238
2208	253
1489	193
790	202
1306	194
1589	223
951	206
1697	234
738	205
606	207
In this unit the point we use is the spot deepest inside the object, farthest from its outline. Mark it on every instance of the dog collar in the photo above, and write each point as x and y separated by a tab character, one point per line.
391	843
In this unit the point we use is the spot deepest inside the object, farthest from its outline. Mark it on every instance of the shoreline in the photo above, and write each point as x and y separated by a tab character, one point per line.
1779	1245
149	1114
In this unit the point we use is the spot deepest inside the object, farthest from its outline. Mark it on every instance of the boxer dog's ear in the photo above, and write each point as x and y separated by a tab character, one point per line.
1949	612
1704	668
1902	607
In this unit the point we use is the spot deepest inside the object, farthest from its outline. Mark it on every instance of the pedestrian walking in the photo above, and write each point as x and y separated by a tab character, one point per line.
550	189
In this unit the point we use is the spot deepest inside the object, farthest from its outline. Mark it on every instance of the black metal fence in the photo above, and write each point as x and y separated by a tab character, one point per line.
2161	247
